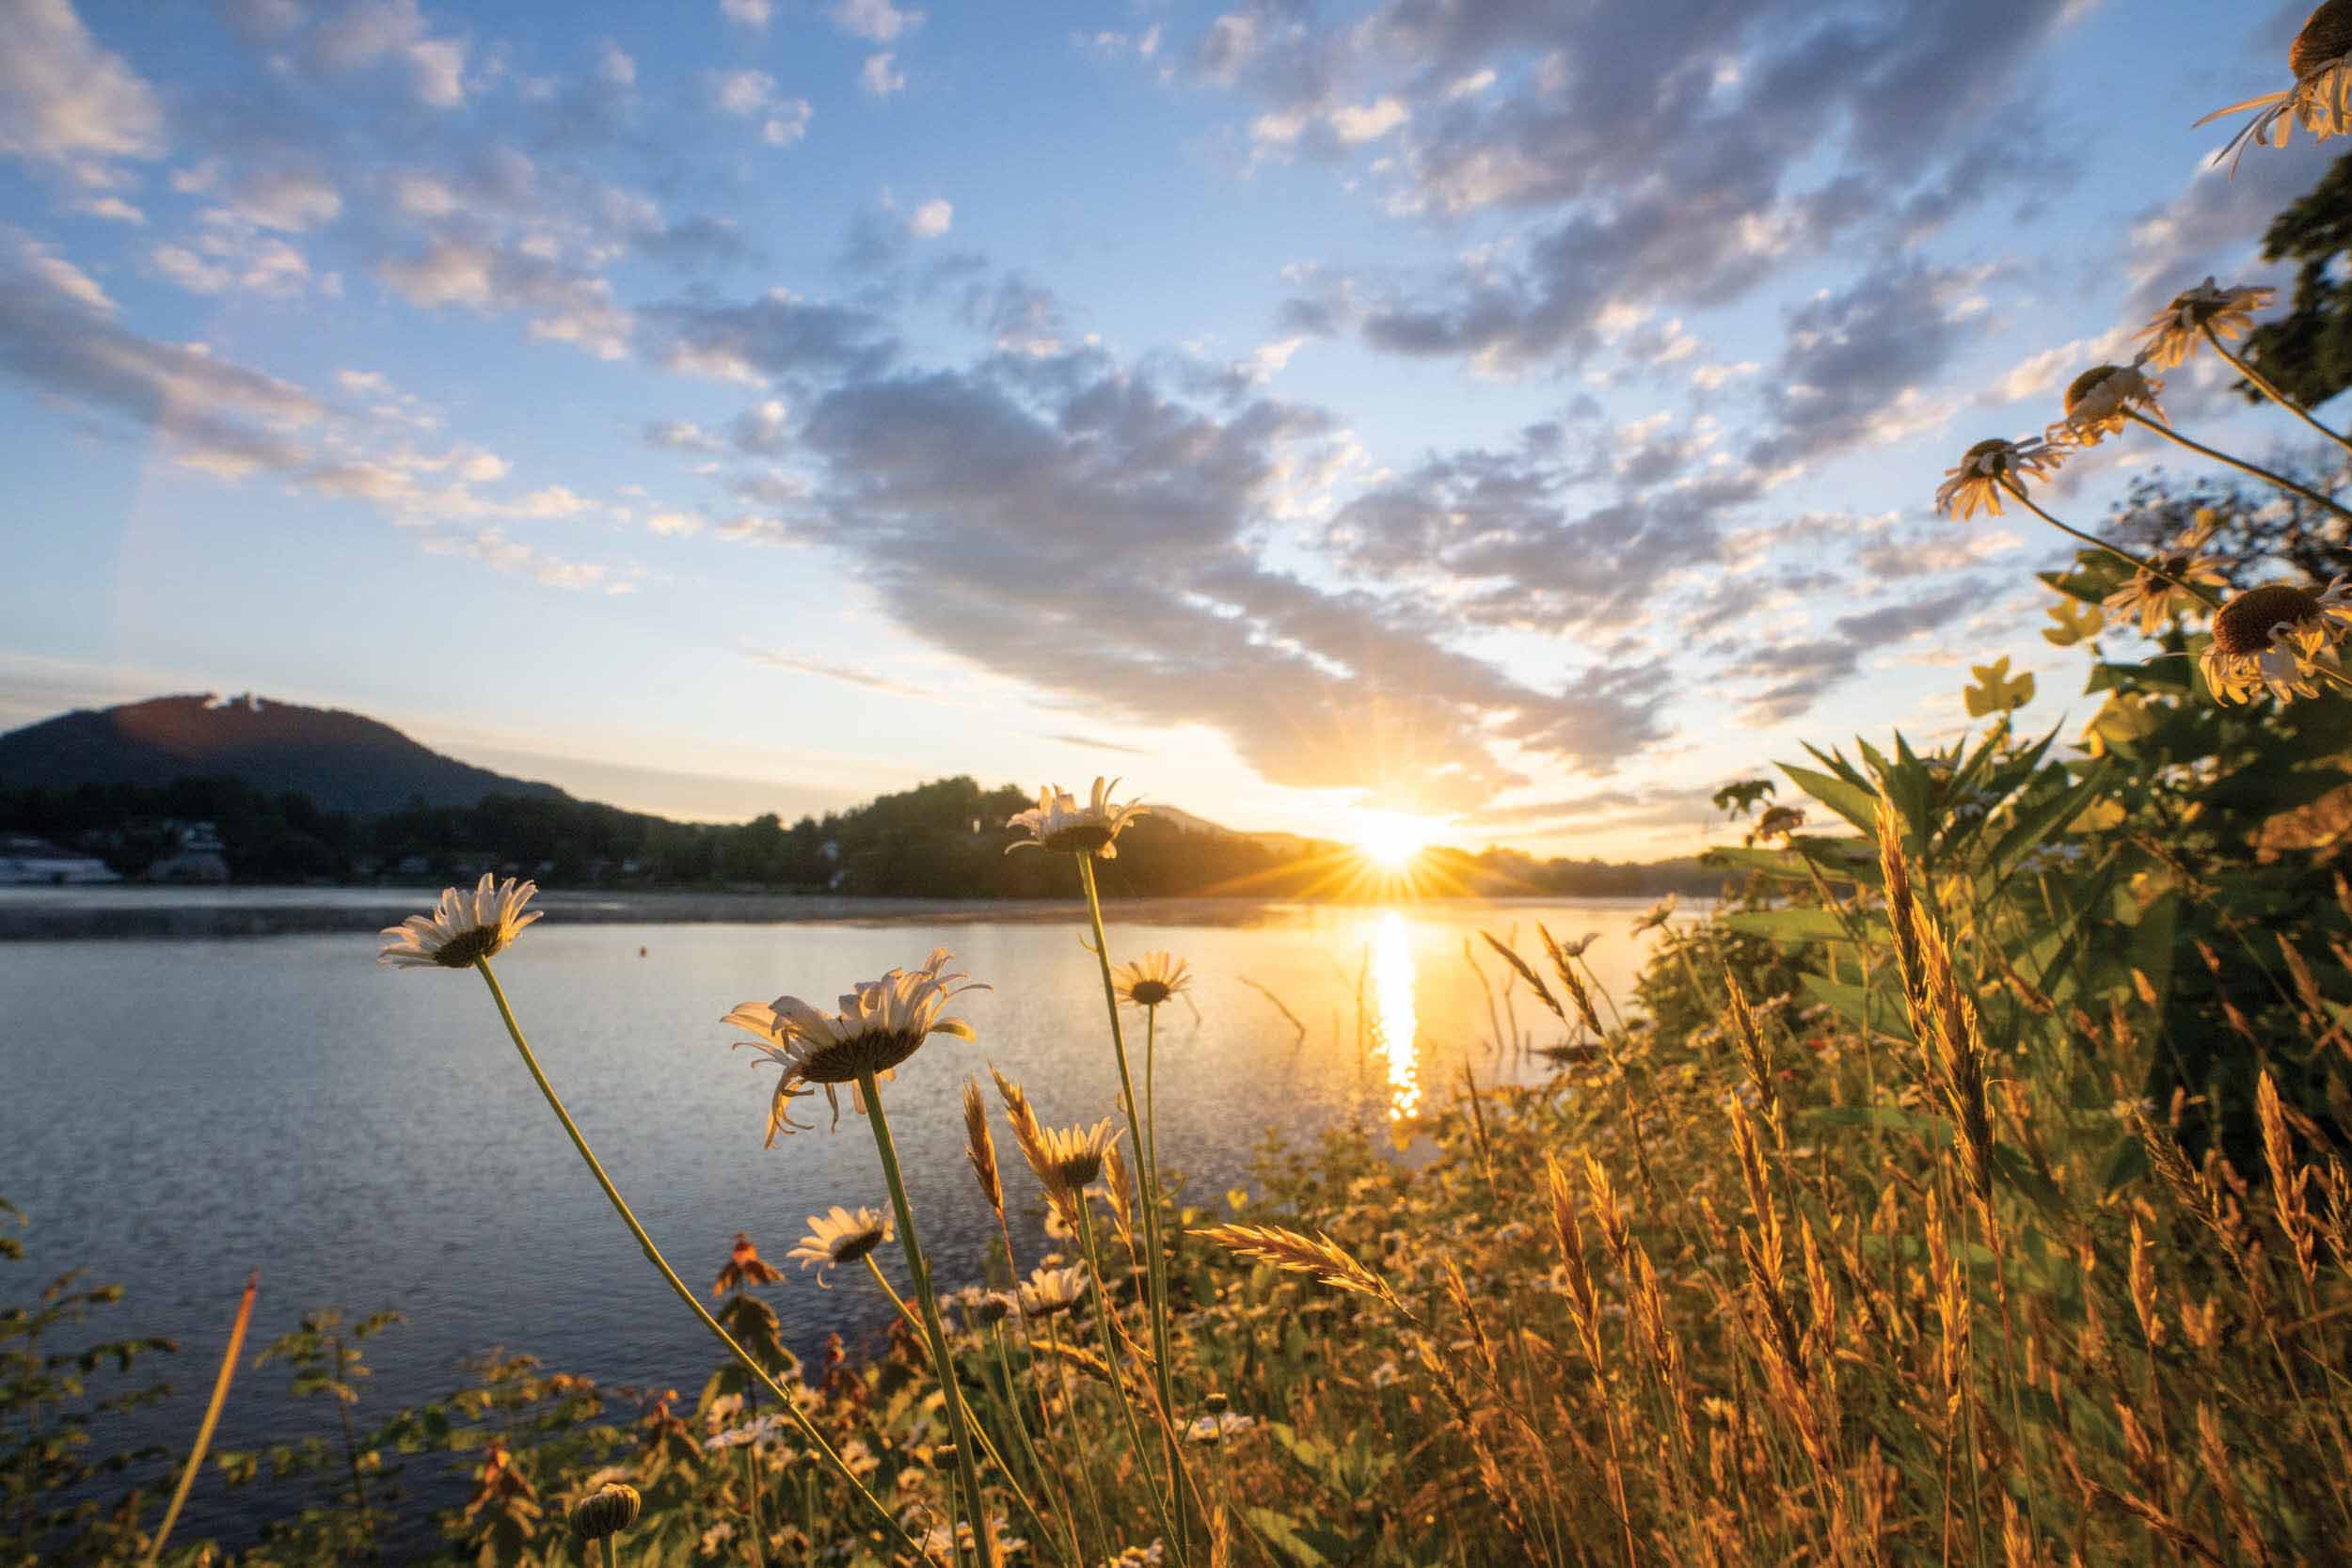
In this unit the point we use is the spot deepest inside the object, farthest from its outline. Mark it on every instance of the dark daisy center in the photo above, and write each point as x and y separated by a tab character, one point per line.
2088	383
1997	450
1085	839
2243	626
849	1250
1075	1170
845	1062
464	950
1149	993
2328	36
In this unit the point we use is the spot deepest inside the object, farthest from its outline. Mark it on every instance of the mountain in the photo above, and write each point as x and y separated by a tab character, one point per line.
343	761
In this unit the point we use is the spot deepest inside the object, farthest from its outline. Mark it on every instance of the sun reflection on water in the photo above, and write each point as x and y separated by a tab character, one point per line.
1395	1026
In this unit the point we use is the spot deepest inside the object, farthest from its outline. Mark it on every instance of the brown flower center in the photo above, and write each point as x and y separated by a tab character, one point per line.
2327	36
2243	628
1085	839
876	1050
466	948
1149	993
851	1249
1997	447
1075	1171
2086	383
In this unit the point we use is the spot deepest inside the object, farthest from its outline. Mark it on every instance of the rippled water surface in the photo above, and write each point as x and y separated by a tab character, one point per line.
177	1112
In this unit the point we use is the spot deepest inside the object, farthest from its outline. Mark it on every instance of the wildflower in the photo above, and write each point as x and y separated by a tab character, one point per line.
1656	915
844	1236
1050	1292
1576	949
1777	822
2101	399
880	1024
941	1546
1219	1427
2160	590
1140	1557
766	1429
1985	469
1059	822
1151	979
458	933
1067	1159
2174	332
2321	98
2275	635
607	1511
983	1308
745	1268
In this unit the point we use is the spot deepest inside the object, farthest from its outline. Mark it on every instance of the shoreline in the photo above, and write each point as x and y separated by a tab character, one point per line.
37	914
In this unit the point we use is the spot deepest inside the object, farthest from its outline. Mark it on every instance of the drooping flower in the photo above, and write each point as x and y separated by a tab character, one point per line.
1066	1158
611	1509
2175	331
1977	480
2158	590
1151	979
2321	99
461	931
880	1024
2274	637
981	1307
844	1236
2101	399
1050	1292
744	1268
1656	915
1059	822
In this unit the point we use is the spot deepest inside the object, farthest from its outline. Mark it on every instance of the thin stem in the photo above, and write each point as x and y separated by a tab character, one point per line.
1161	1375
212	1417
988	1446
919	1272
2202	595
669	1274
611	1553
1119	1380
2251	470
751	1500
2262	384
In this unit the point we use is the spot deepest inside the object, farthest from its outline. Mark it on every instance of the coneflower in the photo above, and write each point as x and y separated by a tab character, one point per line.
2100	401
744	1268
1990	469
2201	314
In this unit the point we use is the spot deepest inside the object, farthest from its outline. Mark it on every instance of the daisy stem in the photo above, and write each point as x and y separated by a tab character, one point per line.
2203	596
669	1274
1152	1277
1117	1378
919	1272
2262	384
751	1500
988	1446
611	1553
2251	470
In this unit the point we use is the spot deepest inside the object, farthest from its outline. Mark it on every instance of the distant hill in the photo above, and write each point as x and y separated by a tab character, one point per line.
343	761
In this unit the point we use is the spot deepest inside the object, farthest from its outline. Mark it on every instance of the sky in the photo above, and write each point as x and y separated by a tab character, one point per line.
1523	416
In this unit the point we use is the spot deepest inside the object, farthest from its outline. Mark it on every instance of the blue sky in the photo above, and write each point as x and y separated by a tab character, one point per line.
1524	414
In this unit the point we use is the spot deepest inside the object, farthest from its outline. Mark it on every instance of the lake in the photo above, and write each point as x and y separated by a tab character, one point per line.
179	1111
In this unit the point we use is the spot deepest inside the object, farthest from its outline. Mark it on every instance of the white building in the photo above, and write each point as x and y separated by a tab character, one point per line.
29	862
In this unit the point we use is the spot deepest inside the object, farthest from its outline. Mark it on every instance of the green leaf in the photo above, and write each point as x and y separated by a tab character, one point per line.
1282	1533
2039	820
1996	690
1797	926
1882	1013
1852	801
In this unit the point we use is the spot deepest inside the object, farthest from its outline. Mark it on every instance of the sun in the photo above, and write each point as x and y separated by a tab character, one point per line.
1391	839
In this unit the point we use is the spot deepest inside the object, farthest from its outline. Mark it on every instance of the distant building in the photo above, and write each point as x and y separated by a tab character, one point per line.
202	857
29	862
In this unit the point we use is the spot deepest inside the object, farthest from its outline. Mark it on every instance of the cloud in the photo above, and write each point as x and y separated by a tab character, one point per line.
931	219
776	337
60	335
225	259
68	101
827	670
491	546
747	13
681	436
876	21
879	77
562	305
365	33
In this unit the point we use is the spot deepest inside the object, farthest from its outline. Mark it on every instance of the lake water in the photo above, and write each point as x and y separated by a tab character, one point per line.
176	1112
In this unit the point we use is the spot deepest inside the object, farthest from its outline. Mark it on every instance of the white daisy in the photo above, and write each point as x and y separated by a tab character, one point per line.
1066	1158
880	1024
1657	914
2175	331
2101	399
1151	979
2321	98
844	1236
1979	477
2275	638
1059	822
1050	1292
462	932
